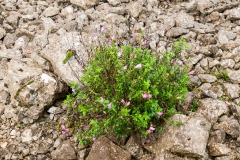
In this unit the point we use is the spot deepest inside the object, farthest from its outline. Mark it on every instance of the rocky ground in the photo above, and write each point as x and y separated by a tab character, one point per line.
34	37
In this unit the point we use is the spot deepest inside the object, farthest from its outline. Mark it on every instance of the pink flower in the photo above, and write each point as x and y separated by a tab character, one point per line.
148	141
119	54
191	72
64	132
227	103
149	96
135	81
180	62
101	100
149	131
102	29
94	138
125	68
113	37
63	127
172	61
109	105
152	128
123	102
144	42
73	90
160	113
128	103
95	38
139	66
145	95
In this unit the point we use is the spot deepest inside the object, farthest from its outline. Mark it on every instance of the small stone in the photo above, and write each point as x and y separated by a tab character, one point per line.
64	151
27	135
218	149
9	111
51	11
2	32
135	9
207	78
232	90
214	16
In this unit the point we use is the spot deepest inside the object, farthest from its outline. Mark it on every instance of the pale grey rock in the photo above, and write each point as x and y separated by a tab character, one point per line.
9	111
204	63
176	32
26	136
11	53
217	136
107	150
51	11
48	24
9	39
195	80
19	73
21	42
230	126
237	101
64	151
114	18
4	97
184	20
198	69
216	90
85	4
234	75
205	88
232	90
114	2
227	63
182	140
186	104
213	62
211	109
58	46
2	32
207	78
222	37
153	3
233	14
195	59
135	9
192	6
234	54
57	142
13	18
68	12
43	63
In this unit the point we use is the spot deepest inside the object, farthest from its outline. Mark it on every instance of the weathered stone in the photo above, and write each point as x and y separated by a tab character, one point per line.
135	9
64	151
11	53
234	75
184	20
207	78
182	140
230	126
133	146
204	63
176	32
4	97
51	11
104	149
114	2
9	39
2	107
232	90
9	111
227	63
234	14
2	32
214	16
216	90
13	18
217	136
114	18
82	154
211	109
185	105
27	136
195	80
218	149
196	59
207	91
85	4
59	47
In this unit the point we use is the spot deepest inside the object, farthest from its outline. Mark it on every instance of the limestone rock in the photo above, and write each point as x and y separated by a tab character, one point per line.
59	47
218	149
64	151
211	109
234	14
104	149
182	140
176	32
234	76
2	32
135	9
134	147
114	18
184	20
51	11
85	4
232	90
207	78
114	2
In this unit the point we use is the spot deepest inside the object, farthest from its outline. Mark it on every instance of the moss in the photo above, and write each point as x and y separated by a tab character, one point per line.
69	54
20	89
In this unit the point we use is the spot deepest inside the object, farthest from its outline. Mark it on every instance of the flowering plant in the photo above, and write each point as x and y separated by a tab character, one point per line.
128	89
